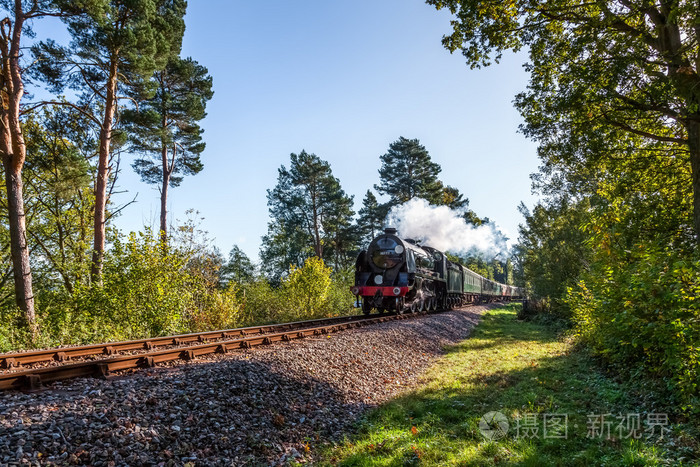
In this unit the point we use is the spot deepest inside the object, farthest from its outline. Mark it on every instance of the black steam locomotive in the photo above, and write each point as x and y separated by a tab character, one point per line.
399	275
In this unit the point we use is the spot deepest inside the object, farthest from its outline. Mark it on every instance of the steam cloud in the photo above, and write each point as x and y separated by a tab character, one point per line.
443	228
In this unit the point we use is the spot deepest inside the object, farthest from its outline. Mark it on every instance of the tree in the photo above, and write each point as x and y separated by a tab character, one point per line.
60	201
12	145
451	197
284	245
164	129
115	48
600	73
552	247
408	172
238	269
371	217
341	237
308	209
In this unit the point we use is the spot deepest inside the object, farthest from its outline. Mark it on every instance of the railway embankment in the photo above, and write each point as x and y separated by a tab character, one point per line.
517	393
265	405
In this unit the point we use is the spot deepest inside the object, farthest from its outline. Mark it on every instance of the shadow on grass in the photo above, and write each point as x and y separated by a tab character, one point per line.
552	399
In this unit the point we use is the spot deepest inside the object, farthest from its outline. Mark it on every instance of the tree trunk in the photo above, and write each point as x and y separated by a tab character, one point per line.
102	178
13	156
694	149
24	295
164	196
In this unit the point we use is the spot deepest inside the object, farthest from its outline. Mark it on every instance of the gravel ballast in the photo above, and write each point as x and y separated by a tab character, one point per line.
263	406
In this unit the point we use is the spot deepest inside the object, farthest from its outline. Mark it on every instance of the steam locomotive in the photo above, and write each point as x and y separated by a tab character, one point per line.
396	274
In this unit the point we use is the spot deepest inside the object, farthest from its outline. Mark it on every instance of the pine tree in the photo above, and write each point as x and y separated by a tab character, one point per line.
451	197
17	20
408	172
371	217
341	236
116	46
309	212
164	129
238	269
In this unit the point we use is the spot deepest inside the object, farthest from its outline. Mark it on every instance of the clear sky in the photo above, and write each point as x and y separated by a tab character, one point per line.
342	79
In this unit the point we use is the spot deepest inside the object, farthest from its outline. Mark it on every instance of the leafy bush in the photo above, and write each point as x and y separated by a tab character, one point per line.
149	289
643	315
307	292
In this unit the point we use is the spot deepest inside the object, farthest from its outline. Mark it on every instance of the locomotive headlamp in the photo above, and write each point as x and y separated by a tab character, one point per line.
397	290
355	290
378	279
398	249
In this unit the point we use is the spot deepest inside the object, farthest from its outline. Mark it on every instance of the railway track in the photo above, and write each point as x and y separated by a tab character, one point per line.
145	353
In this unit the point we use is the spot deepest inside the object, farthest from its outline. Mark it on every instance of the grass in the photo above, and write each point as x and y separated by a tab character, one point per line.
526	372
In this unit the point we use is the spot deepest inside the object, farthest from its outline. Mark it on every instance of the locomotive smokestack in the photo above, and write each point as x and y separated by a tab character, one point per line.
390	231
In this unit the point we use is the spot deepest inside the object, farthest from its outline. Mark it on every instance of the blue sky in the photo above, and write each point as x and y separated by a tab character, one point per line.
340	79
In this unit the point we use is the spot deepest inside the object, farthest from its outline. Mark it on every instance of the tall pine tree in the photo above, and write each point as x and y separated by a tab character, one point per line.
310	214
17	19
408	172
370	217
164	130
114	51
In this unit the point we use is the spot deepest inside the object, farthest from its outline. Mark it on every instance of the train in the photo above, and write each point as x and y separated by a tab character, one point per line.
400	275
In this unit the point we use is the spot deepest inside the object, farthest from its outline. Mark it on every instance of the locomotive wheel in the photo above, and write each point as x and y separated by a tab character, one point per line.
414	306
434	303
366	307
420	307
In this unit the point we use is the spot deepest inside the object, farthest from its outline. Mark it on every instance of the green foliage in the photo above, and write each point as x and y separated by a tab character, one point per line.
553	251
408	172
310	291
370	217
135	37
164	129
57	179
238	269
646	319
311	214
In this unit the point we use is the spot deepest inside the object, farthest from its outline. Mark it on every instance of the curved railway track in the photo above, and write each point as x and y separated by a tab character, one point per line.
145	353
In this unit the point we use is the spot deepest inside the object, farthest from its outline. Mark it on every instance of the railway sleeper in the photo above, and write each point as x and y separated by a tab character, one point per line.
31	382
8	363
147	362
61	357
187	355
101	370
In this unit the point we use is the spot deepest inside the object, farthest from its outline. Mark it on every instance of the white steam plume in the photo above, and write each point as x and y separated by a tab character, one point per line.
443	228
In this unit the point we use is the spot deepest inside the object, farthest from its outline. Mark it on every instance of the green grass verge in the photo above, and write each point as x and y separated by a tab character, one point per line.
526	372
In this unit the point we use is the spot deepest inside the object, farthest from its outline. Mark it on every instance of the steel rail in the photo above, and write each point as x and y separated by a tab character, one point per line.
17	359
34	378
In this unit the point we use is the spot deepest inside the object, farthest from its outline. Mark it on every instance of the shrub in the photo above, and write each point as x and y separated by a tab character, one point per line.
644	315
